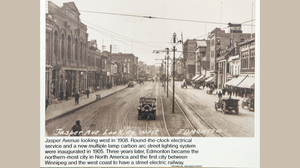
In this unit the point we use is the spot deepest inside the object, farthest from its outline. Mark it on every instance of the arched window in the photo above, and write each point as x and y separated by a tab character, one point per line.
81	48
55	44
69	47
62	47
76	49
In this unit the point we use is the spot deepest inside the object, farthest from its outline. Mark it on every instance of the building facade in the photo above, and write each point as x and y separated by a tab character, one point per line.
247	59
129	64
202	57
66	47
189	56
221	41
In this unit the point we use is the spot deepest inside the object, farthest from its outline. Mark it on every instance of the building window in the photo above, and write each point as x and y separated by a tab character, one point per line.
69	47
103	63
62	47
81	51
55	44
212	66
48	49
125	60
76	49
212	42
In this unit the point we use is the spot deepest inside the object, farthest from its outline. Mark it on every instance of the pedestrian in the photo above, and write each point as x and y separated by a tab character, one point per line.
61	95
67	95
77	98
76	129
88	93
220	95
47	103
230	92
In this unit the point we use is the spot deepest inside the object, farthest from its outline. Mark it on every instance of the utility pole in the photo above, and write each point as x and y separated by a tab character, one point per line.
167	73
173	77
174	42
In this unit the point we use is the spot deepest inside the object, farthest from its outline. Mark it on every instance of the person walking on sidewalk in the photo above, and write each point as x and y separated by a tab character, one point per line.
76	98
88	93
67	95
77	129
61	95
220	95
47	103
230	92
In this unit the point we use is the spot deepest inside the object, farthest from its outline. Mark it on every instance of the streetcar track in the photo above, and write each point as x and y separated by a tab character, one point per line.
206	122
187	118
163	114
147	120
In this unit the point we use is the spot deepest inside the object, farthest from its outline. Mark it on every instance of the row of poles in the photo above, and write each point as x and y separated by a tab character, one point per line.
174	42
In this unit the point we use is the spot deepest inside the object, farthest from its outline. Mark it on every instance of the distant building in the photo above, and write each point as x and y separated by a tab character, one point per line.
189	56
202	57
129	63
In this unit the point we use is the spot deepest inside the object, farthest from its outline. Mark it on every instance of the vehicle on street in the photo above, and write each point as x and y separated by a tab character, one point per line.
228	105
140	81
146	108
249	103
130	83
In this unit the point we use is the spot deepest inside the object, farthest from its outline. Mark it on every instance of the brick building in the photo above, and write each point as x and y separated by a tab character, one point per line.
202	57
66	47
129	65
247	56
221	41
189	56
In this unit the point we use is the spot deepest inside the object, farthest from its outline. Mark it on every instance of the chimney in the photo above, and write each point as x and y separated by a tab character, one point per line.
110	48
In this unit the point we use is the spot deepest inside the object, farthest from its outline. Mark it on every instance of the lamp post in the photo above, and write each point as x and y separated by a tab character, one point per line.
174	42
167	79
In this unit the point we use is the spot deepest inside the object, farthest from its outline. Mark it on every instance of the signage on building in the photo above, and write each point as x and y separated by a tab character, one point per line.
235	28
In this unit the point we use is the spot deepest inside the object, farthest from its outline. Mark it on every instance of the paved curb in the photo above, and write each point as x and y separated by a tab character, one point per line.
78	108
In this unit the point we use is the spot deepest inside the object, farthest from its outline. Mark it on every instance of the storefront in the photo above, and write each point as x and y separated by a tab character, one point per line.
211	82
248	83
195	77
236	81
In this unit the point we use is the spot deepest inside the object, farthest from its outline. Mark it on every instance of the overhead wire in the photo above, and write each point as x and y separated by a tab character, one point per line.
155	17
105	33
123	37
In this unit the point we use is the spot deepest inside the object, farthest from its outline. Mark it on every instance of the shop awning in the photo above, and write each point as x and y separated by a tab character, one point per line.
201	77
211	79
249	82
236	81
195	77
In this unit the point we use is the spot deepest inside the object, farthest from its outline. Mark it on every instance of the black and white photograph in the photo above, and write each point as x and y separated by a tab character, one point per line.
156	68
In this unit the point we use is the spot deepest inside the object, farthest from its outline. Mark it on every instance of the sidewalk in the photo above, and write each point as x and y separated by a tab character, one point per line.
64	107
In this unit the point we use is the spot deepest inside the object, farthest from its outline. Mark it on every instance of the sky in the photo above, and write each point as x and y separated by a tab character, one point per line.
140	36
